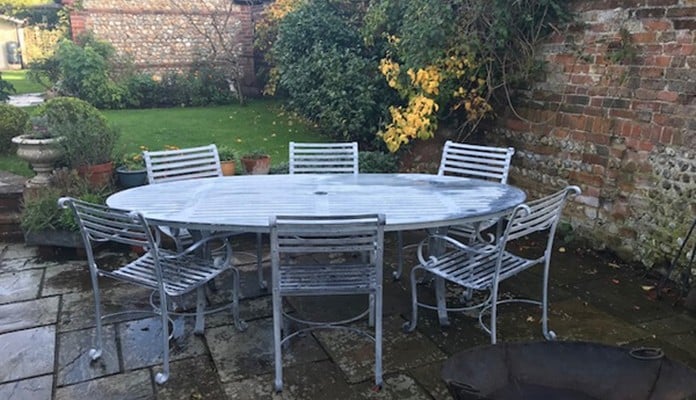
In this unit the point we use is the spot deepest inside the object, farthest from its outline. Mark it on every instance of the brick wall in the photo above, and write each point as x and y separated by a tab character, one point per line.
160	36
616	115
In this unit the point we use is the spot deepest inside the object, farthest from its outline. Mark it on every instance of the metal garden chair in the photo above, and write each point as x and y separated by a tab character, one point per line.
469	161
300	249
323	158
167	273
189	163
481	265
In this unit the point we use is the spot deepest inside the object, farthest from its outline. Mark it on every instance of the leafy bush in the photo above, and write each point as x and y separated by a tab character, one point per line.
13	121
329	77
88	138
6	88
377	162
41	212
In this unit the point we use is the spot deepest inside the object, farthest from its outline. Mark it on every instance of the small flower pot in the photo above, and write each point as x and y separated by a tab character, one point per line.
98	175
131	178
228	168
257	165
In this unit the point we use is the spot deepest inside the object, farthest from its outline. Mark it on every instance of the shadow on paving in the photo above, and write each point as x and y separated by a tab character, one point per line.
47	326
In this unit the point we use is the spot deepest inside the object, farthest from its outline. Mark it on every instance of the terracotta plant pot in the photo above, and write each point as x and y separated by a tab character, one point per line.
228	168
98	175
257	165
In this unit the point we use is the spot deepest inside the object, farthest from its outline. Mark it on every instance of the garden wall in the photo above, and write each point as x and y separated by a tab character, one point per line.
163	35
615	114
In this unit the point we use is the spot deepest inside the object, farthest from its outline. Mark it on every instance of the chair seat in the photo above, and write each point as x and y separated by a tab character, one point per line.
477	271
181	274
327	279
470	230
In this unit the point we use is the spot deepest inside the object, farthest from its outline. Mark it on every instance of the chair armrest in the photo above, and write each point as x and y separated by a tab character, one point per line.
454	243
224	259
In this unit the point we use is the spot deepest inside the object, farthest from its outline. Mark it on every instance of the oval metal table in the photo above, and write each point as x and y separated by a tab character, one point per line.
245	203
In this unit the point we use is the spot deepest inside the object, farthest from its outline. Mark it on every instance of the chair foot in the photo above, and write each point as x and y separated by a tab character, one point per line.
396	275
161	377
278	386
94	354
241	325
550	335
409	326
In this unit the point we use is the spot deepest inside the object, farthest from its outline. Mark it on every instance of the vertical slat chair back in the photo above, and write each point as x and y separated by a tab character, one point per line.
180	164
323	158
317	236
473	161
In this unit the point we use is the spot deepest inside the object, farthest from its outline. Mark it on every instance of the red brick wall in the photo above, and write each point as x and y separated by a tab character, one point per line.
159	37
620	127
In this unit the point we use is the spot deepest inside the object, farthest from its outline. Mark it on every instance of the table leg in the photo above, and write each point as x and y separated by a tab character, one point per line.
437	247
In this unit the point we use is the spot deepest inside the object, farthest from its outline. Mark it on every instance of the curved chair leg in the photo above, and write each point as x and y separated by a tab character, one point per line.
163	376
548	334
199	326
411	326
96	351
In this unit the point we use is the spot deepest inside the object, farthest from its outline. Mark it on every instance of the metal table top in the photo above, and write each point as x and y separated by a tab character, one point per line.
409	201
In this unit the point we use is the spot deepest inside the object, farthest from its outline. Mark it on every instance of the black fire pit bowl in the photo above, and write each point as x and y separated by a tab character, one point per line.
566	370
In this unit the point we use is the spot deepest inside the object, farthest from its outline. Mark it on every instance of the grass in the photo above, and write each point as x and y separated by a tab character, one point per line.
258	125
18	79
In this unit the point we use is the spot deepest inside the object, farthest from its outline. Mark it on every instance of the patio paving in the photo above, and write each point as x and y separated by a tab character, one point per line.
46	329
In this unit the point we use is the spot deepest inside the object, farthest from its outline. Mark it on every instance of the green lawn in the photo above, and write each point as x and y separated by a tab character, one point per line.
260	124
18	79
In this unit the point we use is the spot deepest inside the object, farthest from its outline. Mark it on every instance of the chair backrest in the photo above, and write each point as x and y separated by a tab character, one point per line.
539	215
473	161
323	158
180	164
99	223
320	235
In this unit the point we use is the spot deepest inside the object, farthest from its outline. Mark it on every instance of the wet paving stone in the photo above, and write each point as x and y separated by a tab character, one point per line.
15	265
355	354
18	286
78	308
66	278
193	378
74	363
28	314
238	355
249	310
35	388
141	344
27	353
429	377
133	385
17	251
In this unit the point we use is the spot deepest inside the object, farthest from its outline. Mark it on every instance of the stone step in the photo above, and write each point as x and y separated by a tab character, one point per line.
11	192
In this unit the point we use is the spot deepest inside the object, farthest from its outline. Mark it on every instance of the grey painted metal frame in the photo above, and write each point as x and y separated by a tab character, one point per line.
170	274
190	163
469	161
481	266
323	158
301	266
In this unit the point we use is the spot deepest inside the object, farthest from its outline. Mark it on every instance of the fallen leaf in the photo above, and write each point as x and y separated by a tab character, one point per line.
647	288
561	250
615	266
637	308
615	281
530	319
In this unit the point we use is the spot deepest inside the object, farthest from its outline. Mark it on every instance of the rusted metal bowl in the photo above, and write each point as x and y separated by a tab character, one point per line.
566	370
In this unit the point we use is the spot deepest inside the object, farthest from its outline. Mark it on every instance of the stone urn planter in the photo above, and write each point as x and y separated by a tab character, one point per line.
41	154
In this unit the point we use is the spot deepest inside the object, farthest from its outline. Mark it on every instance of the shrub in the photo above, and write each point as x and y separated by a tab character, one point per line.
40	211
378	162
6	88
13	121
329	77
88	139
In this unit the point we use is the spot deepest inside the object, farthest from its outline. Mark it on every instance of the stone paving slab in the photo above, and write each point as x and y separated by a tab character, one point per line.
133	385
21	285
28	314
74	363
238	355
27	353
192	378
34	388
